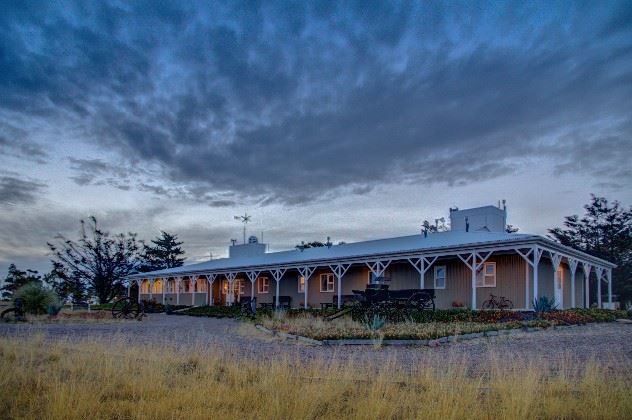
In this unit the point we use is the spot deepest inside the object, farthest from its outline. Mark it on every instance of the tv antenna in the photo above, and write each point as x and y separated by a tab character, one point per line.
244	219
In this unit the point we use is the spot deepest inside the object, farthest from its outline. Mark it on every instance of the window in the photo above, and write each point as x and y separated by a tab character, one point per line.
487	276
372	277
263	285
439	277
327	282
241	286
301	284
224	286
560	278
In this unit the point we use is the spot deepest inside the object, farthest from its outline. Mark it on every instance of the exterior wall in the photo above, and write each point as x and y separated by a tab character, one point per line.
510	281
511	270
545	278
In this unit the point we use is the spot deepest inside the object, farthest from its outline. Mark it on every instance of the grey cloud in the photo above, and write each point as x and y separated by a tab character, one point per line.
297	103
15	191
14	142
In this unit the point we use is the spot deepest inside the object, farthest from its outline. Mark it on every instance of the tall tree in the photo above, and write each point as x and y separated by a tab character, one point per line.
17	278
97	261
605	231
65	286
165	252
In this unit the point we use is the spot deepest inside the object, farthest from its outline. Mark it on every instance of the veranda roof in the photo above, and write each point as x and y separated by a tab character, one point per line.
398	246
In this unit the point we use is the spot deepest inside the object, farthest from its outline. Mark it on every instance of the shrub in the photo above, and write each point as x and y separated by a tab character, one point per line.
54	308
36	299
375	324
544	304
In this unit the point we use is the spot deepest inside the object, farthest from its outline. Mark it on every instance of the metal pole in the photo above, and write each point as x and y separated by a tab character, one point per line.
473	268
536	263
610	289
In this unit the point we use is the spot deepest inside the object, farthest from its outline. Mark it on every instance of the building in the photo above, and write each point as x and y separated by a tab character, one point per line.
465	265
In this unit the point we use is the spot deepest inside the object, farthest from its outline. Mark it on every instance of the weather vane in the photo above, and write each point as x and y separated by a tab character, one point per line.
244	219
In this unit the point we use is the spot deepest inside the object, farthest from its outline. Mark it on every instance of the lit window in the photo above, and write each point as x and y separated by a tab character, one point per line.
263	285
560	278
439	277
487	276
224	286
241	286
301	284
327	282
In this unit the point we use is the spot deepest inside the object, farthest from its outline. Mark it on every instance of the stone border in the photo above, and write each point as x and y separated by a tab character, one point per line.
405	342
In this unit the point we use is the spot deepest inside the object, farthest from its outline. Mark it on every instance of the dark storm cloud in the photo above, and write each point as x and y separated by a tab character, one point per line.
296	102
15	191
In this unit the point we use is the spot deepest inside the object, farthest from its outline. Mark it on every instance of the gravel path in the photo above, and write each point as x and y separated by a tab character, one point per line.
609	345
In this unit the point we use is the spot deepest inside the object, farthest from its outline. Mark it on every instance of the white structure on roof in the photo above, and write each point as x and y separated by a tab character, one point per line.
479	219
476	235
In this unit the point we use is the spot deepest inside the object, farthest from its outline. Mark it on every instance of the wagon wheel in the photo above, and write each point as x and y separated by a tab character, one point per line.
505	304
126	308
421	302
489	304
9	314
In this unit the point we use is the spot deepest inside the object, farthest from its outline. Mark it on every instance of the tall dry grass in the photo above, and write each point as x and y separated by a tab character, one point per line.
89	380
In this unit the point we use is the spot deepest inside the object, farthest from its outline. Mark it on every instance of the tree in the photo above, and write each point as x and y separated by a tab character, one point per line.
604	231
164	253
97	262
511	229
439	226
65	286
15	279
312	244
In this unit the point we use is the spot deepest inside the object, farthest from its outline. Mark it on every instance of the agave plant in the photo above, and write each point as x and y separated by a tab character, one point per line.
544	304
375	324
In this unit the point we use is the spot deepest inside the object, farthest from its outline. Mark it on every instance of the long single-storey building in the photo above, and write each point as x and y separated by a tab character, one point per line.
465	265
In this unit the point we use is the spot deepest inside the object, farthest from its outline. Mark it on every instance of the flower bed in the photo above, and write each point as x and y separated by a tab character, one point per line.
446	323
212	311
346	328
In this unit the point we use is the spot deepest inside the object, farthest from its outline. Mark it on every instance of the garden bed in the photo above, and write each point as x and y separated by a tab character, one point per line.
451	323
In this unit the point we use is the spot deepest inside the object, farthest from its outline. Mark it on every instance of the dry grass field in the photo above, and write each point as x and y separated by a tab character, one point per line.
92	379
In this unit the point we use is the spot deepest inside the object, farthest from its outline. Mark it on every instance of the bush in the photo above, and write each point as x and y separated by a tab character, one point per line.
53	309
36	299
544	304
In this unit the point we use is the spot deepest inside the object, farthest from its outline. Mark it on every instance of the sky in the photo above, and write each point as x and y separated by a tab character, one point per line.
349	120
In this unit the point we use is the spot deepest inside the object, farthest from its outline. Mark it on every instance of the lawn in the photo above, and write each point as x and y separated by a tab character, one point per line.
78	380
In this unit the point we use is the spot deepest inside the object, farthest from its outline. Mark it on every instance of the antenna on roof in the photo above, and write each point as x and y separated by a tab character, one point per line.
244	219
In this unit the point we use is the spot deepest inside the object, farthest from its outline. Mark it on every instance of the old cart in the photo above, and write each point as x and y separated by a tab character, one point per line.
394	305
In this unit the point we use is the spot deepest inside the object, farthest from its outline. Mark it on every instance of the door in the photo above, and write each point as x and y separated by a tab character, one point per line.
559	288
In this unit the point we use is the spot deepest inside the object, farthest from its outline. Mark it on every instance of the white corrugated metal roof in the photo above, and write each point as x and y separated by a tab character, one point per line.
402	244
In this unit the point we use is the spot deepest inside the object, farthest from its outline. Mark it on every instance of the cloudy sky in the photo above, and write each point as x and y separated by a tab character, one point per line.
349	120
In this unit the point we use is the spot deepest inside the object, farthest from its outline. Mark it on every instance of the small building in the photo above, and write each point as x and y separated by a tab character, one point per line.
476	258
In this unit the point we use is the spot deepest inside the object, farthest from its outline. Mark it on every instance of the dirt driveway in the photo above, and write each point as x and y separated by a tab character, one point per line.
609	345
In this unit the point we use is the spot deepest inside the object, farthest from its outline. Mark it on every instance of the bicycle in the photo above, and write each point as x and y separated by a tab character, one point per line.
497	302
